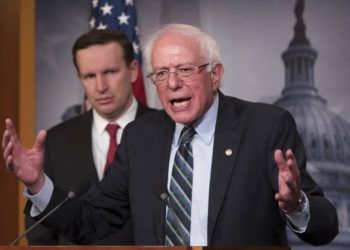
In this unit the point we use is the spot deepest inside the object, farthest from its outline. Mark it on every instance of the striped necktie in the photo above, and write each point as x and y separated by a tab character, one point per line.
177	230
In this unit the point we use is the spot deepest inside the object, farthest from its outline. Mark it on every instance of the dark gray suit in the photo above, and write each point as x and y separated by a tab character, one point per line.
68	158
242	208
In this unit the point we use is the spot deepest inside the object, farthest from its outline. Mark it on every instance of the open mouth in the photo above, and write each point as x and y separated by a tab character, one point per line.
180	102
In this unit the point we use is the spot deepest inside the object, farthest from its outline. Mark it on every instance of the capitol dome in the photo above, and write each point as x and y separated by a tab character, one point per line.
326	135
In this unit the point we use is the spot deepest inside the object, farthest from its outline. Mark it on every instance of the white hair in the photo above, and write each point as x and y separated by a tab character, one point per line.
208	47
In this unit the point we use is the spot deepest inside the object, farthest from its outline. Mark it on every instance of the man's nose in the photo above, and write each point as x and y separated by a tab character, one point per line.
174	82
101	84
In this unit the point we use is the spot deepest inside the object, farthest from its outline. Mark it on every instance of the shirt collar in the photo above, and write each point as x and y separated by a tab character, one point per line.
205	127
100	123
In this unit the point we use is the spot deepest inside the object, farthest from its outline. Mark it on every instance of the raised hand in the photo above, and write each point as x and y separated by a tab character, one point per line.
25	164
289	186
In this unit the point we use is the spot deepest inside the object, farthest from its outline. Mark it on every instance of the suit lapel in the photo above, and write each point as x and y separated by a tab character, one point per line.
85	140
160	174
227	138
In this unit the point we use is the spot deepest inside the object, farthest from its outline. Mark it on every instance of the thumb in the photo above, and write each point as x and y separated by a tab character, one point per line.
40	140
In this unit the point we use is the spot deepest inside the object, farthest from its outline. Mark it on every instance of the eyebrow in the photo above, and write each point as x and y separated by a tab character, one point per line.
179	65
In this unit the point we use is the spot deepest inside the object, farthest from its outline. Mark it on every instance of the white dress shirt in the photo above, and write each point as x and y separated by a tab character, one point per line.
100	137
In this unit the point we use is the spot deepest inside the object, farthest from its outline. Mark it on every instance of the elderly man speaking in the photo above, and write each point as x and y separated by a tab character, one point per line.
208	170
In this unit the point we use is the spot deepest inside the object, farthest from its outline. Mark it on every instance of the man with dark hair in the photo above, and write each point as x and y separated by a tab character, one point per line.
77	149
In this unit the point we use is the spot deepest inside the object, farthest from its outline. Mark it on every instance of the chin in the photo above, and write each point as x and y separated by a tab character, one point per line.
182	119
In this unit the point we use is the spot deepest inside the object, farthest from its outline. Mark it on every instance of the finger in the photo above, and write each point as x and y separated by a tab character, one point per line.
8	150
282	198
287	201
293	181
289	154
9	164
290	158
292	163
289	167
11	130
8	122
9	126
279	159
289	183
40	140
279	197
292	185
5	139
286	197
288	187
284	185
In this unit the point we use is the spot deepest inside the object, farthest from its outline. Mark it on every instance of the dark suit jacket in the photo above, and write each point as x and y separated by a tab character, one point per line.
68	158
242	208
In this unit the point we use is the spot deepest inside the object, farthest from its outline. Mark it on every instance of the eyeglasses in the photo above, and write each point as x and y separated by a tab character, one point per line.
183	72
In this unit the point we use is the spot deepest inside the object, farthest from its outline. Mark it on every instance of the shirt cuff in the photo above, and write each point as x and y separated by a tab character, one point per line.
41	199
298	222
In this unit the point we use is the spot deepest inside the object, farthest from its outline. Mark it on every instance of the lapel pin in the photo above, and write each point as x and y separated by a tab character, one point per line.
228	152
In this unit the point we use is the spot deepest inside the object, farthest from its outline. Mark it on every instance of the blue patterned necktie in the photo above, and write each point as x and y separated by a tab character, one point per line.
178	222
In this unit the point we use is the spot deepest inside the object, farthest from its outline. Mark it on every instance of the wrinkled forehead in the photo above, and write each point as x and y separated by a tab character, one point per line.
176	47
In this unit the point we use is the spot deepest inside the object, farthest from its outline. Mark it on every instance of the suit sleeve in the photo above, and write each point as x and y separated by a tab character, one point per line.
102	211
323	224
41	235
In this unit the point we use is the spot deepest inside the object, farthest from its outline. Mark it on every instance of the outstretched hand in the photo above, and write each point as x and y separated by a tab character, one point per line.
25	164
289	187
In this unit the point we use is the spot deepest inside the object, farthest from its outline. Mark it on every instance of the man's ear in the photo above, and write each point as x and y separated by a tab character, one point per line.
134	68
216	75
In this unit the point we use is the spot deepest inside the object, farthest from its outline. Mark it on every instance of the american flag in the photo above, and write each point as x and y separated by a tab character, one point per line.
120	15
